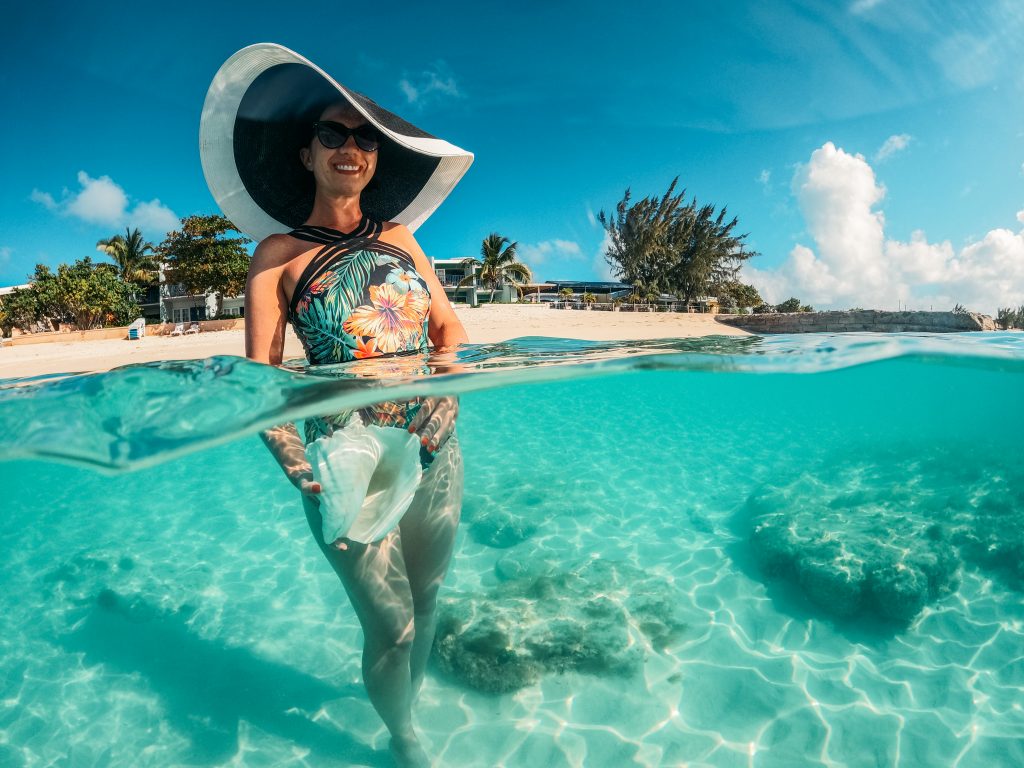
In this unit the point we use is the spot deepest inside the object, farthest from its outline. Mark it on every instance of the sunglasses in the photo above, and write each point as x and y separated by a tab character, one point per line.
333	135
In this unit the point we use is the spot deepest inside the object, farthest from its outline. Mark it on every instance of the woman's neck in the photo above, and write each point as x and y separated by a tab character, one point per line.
342	213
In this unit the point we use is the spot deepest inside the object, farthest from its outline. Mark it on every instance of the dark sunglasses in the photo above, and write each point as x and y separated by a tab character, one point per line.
333	135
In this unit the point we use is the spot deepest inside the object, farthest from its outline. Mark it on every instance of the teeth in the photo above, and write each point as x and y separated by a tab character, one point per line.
346	167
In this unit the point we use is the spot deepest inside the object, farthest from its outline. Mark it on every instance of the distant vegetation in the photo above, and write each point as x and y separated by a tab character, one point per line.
90	295
791	304
84	294
670	246
1008	318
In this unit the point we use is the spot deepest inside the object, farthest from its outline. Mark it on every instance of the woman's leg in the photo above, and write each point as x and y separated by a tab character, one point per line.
428	536
374	576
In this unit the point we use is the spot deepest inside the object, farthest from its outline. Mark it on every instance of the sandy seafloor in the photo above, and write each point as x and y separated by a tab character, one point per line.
181	615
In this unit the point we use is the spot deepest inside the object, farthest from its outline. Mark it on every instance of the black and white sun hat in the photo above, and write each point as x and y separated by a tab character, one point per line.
260	110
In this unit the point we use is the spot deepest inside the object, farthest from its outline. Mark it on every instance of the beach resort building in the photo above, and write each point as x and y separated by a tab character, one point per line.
177	305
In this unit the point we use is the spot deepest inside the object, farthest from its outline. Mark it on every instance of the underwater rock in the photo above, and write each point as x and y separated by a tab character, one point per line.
992	538
501	530
585	619
513	566
871	554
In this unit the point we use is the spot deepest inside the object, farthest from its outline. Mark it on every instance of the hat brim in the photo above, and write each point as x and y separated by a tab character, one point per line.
259	111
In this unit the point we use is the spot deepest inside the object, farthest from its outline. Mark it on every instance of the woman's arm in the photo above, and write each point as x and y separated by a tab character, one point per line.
265	320
445	328
435	420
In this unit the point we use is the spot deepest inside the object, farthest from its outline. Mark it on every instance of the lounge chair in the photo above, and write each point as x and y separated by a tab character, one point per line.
194	328
179	330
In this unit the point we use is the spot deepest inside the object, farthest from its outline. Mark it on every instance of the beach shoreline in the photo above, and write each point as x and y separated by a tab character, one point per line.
485	324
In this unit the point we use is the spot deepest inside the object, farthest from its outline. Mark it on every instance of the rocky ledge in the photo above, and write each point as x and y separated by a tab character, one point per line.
861	320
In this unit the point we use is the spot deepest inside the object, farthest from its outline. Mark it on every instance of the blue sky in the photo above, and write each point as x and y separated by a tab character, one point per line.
873	149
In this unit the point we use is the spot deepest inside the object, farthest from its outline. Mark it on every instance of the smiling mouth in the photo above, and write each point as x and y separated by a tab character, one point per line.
345	168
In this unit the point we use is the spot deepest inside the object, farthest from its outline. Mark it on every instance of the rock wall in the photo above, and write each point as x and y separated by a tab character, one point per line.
861	320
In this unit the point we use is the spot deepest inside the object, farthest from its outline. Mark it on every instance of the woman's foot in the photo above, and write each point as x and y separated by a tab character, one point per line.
408	753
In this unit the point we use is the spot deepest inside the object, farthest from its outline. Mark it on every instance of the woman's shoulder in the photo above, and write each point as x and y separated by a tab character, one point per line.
399	234
276	251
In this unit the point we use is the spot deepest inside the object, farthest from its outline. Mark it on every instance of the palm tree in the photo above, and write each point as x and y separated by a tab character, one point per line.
131	253
499	265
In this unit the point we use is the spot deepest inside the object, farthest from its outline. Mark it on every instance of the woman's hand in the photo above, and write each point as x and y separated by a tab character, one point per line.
305	483
309	487
434	422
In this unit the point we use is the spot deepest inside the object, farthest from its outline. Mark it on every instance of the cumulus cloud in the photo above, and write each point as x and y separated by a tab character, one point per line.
539	253
104	202
429	84
855	264
153	216
100	201
892	145
600	263
45	199
1020	216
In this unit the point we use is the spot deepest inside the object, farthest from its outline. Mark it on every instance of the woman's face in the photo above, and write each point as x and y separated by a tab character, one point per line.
346	170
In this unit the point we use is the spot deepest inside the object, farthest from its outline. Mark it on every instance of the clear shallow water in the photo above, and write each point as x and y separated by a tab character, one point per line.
795	551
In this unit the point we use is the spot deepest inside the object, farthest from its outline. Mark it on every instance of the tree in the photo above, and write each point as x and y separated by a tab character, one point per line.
500	264
733	293
668	245
18	309
82	293
132	255
789	305
1008	318
201	258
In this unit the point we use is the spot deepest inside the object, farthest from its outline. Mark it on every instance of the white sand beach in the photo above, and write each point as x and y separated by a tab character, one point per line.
484	324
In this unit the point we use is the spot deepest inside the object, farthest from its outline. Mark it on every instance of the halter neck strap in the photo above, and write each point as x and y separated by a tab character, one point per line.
366	227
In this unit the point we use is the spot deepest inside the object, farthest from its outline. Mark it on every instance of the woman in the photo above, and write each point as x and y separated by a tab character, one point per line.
354	287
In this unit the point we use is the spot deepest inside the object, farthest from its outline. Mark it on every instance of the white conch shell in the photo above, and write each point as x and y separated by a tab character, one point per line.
368	476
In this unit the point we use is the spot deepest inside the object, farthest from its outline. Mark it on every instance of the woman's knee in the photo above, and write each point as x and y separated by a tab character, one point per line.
391	638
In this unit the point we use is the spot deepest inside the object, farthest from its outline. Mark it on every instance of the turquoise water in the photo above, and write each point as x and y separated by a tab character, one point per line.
791	551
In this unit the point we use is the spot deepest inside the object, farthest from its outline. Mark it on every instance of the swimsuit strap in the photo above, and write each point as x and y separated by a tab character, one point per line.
366	227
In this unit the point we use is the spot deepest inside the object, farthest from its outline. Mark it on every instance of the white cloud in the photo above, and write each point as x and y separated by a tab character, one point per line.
895	143
600	264
1020	216
100	201
429	84
591	217
5	255
104	202
153	216
539	253
856	265
45	199
765	177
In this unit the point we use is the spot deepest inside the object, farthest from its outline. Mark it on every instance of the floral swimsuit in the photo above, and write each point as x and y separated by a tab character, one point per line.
359	298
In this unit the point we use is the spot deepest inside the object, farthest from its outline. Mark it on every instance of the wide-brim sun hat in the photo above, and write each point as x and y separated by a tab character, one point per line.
260	110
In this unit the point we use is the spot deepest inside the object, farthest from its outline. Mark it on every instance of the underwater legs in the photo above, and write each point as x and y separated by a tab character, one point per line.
393	587
428	536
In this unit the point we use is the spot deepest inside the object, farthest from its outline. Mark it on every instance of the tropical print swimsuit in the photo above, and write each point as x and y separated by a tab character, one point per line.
359	298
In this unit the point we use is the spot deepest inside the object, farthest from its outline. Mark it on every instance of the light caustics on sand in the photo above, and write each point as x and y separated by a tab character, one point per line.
665	558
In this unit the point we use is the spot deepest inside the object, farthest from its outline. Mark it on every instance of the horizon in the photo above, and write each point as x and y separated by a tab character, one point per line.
872	150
